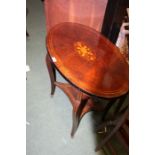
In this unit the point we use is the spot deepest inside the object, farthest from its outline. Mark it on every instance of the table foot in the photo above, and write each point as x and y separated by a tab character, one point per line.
52	74
76	121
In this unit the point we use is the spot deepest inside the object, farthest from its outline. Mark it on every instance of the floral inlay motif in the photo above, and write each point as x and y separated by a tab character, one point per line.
84	51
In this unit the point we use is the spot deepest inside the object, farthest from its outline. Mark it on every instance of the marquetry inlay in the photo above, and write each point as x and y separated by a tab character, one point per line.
84	51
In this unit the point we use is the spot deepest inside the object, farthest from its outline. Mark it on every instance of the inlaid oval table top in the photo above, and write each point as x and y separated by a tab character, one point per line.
88	60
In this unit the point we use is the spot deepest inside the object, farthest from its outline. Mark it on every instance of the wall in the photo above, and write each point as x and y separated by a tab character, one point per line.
87	12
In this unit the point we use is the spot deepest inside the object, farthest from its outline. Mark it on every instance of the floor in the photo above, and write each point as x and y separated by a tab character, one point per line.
49	117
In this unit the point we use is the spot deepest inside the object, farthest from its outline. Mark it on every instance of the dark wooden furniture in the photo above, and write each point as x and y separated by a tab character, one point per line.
91	64
113	19
27	34
117	125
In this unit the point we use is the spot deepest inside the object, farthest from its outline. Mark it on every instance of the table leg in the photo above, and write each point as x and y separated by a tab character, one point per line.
27	34
52	73
80	108
108	107
81	103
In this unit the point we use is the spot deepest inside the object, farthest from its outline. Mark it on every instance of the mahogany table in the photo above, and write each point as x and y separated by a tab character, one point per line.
91	64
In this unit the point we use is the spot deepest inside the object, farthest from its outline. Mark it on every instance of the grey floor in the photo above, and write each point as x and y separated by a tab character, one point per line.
49	118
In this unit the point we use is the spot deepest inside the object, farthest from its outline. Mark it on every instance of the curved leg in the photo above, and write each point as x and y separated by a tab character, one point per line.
85	104
76	122
81	103
52	74
79	109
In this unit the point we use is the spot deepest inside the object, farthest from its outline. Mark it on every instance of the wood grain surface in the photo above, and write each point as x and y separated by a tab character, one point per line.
88	60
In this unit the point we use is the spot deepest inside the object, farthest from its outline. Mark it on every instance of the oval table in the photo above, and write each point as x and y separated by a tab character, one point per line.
91	64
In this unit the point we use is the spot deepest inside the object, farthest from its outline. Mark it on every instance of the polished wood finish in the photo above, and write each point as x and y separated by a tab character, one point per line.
81	103
52	73
92	65
88	60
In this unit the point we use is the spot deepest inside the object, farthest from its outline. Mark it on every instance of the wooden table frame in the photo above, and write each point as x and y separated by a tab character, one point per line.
82	103
73	49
